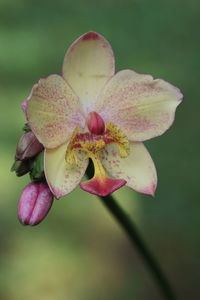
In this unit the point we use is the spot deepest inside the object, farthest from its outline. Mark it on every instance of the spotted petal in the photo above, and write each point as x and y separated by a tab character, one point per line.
137	169
142	107
88	64
62	177
53	111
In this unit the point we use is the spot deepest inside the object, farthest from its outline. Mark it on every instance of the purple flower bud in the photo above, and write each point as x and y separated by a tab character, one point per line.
35	203
28	146
21	167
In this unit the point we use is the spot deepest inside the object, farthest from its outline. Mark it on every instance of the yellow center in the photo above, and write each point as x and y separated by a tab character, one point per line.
93	144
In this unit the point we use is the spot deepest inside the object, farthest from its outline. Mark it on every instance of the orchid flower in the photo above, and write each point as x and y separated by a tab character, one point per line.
92	113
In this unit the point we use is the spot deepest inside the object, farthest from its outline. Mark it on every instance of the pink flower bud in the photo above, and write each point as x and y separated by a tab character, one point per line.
95	123
35	203
28	146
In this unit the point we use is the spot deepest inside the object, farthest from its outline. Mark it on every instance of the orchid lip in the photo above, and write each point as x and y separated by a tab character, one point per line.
92	143
103	187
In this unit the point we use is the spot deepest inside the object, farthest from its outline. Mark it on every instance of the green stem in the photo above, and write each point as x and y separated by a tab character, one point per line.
131	230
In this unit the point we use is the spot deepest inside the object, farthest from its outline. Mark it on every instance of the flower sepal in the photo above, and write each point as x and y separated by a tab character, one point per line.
26	128
20	167
37	168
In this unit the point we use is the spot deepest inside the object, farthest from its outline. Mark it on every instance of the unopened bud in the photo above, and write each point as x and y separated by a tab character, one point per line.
95	123
35	203
21	167
28	146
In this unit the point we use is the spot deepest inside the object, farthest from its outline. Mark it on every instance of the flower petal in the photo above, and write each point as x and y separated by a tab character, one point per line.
62	177
142	107
137	169
88	64
53	111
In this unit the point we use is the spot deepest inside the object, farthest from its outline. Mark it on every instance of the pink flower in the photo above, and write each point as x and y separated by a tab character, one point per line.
35	203
91	112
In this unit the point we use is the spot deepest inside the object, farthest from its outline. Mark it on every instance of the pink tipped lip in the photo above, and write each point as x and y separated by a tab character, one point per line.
102	188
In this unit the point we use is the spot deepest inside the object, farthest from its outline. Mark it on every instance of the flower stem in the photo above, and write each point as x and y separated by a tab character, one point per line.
130	229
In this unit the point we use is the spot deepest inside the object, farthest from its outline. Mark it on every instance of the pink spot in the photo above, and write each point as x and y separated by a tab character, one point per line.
114	153
90	36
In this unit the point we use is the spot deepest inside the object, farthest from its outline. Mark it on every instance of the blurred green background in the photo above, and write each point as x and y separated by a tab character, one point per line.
79	252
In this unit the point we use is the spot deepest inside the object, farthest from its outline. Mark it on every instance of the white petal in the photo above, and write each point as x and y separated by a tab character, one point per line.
137	169
62	178
142	107
88	64
53	111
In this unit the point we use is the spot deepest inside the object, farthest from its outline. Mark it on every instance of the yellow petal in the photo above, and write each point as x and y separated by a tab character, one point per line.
142	107
88	64
61	176
53	111
137	169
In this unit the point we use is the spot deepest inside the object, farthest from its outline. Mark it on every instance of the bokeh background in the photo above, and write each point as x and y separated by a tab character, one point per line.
79	252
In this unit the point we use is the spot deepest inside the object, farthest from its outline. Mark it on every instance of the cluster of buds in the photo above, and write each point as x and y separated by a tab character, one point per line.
36	198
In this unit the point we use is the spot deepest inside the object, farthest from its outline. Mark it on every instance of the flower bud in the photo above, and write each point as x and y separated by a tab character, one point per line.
28	146
20	167
95	123
35	203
